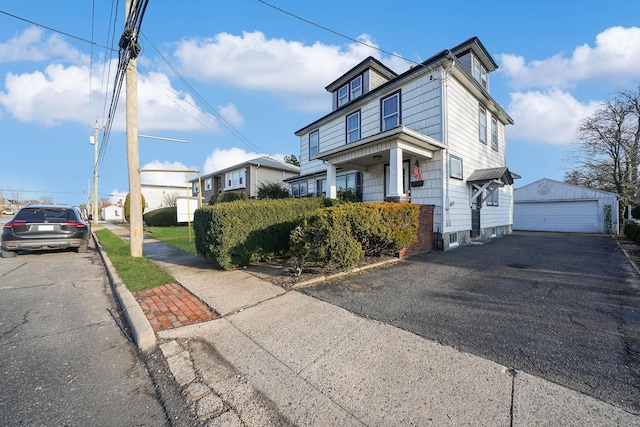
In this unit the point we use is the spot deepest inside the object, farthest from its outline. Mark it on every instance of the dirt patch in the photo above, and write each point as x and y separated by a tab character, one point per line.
281	273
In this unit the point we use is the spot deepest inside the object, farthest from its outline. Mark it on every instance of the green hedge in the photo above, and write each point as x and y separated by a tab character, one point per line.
234	234
632	230
342	235
163	217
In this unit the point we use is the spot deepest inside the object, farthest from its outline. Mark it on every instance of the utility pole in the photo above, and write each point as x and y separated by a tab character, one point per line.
133	155
94	141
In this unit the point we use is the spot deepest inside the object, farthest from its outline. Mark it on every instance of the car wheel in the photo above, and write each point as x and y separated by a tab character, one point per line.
82	249
9	254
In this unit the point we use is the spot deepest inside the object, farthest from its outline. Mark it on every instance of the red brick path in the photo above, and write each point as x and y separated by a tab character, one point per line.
171	306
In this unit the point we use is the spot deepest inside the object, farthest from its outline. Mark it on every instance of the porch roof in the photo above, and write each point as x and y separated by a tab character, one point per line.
500	175
375	149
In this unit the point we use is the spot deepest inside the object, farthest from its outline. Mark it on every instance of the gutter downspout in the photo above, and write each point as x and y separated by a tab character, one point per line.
446	72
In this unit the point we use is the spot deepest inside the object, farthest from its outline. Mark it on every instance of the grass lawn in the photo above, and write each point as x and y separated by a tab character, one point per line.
175	236
137	273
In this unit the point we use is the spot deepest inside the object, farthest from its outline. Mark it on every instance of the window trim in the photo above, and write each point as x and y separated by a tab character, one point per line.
482	112
398	94
359	128
317	144
457	159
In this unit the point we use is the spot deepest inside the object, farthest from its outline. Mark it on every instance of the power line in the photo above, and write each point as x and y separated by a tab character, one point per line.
52	29
293	15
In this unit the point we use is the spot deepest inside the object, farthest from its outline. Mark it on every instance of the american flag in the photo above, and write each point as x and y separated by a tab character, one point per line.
417	172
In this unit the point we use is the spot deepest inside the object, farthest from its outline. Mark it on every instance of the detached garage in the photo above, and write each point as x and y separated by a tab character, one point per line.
548	205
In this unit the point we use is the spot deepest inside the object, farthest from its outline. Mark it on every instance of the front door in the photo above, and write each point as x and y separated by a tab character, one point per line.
475	219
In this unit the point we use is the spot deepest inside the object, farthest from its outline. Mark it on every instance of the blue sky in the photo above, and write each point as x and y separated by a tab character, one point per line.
255	75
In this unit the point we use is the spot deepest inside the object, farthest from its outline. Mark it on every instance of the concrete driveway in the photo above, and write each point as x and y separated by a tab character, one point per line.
563	307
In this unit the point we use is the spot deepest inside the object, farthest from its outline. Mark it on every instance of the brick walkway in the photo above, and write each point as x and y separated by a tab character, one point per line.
171	306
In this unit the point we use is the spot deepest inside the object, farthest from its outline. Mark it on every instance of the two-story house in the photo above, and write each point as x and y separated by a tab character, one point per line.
246	176
432	135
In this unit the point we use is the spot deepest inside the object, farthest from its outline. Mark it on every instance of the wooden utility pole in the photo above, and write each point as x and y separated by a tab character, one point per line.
133	155
94	211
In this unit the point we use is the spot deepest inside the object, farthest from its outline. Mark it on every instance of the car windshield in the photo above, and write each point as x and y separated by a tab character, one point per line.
40	215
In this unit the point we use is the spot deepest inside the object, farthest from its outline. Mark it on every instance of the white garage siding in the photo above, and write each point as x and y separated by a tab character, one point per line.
572	216
548	205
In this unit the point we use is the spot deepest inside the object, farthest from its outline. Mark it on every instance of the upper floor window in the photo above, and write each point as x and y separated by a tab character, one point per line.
390	108
455	167
196	188
482	122
343	95
350	91
314	143
235	178
207	184
480	73
356	87
494	133
353	127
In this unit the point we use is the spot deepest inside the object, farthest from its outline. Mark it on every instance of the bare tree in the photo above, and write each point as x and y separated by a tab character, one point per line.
170	200
607	156
46	200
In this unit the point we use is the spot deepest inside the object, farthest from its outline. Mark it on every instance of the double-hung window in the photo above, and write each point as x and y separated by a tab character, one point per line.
482	122
480	73
390	111
343	95
356	87
493	198
494	133
353	127
314	143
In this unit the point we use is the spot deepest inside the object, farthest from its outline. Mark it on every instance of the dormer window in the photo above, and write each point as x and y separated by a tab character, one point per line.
356	87
480	73
343	95
350	91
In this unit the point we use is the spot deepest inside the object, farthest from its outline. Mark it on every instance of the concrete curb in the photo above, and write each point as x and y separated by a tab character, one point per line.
143	334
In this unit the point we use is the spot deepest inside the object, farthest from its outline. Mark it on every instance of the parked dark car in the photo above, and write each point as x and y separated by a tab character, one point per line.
45	227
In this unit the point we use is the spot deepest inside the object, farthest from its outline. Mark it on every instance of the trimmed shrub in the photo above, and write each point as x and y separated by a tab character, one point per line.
342	235
235	234
163	217
273	190
231	196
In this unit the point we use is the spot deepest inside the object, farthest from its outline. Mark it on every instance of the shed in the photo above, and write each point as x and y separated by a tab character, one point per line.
113	213
548	205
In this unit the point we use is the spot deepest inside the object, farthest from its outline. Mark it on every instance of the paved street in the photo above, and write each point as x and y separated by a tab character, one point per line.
561	307
63	358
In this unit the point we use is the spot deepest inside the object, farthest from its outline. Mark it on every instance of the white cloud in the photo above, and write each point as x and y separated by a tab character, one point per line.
547	116
616	55
223	158
252	61
166	178
231	114
31	45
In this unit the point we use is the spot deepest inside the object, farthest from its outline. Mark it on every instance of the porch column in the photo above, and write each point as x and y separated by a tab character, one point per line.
395	172
331	182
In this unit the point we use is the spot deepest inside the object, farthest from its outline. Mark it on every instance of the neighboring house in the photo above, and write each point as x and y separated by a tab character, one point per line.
548	205
113	213
432	136
246	177
161	196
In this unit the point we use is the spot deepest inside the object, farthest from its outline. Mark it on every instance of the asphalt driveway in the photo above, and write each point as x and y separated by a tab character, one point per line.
564	307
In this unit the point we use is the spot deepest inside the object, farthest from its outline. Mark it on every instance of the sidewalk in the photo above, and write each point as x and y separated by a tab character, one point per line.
274	357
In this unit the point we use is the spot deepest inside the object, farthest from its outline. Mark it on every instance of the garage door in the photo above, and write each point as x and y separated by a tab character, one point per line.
574	216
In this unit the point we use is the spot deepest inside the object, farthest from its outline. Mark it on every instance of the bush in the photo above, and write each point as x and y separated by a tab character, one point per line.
632	230
231	196
635	212
342	235
235	234
272	190
163	217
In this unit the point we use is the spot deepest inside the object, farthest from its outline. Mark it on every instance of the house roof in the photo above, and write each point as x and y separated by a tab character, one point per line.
481	176
370	62
264	161
445	58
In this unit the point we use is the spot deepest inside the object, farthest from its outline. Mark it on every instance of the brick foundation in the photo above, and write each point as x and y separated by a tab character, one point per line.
424	242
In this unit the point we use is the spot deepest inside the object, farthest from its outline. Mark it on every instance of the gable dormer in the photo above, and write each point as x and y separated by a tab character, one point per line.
364	77
476	60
